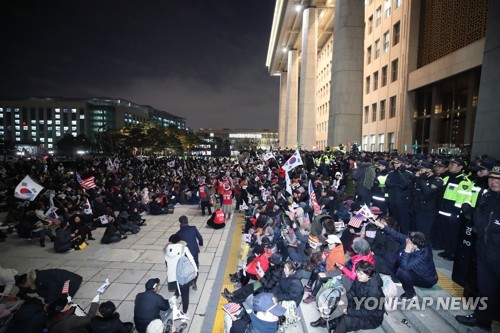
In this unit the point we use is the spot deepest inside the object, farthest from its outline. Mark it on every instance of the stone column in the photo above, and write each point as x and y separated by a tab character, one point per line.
435	118
470	115
307	95
486	139
346	98
282	114
292	91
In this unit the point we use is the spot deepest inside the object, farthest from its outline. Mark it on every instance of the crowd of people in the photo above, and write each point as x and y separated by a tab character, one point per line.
305	223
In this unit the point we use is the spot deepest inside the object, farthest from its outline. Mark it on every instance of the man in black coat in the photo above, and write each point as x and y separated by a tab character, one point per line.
194	240
49	283
148	305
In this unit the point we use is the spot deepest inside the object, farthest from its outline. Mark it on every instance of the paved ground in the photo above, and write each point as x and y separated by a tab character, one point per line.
129	264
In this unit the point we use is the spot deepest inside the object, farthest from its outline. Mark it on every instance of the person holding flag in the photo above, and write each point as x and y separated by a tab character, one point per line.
294	161
27	189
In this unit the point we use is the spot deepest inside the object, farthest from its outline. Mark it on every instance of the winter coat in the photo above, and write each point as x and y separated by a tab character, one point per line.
351	273
487	227
336	256
290	288
192	237
63	241
419	261
173	252
252	266
272	277
50	282
110	234
147	308
30	318
69	322
365	316
106	325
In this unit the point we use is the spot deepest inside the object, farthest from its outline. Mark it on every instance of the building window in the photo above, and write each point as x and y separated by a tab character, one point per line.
384	76
370	24
366	114
386	42
394	70
367	85
375	81
396	29
392	107
390	139
365	142
369	55
380	142
374	112
397	3
387	8
372	143
378	16
377	48
382	109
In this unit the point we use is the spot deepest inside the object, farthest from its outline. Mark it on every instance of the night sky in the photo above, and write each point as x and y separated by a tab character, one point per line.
203	60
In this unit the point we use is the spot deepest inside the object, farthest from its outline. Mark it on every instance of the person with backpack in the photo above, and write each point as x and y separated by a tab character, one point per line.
182	269
364	177
193	239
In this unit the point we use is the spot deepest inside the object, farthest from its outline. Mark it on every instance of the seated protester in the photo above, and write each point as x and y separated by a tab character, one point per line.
290	286
268	282
30	317
156	209
62	317
48	283
124	225
136	218
217	220
367	314
412	264
329	257
106	319
7	280
264	317
79	228
148	305
257	265
112	234
64	239
31	227
298	242
264	230
362	252
381	243
350	232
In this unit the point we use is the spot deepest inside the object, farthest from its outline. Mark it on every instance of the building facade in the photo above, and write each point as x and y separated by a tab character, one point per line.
390	74
229	142
42	122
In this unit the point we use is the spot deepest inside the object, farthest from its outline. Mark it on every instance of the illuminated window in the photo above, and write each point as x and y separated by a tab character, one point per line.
57	116
49	122
49	139
57	110
58	122
73	122
33	133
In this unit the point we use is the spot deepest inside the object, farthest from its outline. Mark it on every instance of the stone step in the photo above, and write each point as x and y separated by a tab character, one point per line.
426	320
394	323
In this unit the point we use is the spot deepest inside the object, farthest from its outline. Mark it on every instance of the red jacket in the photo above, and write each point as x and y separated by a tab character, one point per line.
219	217
264	264
351	274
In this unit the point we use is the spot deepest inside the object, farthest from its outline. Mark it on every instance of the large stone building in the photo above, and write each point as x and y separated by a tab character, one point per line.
41	122
388	73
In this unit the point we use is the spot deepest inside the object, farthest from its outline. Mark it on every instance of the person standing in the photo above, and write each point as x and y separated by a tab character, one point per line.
487	228
457	185
194	240
204	195
380	197
398	186
428	188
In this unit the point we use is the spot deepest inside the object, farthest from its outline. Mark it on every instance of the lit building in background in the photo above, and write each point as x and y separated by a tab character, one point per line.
230	142
389	74
42	122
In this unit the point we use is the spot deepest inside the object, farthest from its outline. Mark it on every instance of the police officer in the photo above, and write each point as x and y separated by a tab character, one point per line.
440	169
428	188
487	228
380	197
399	186
458	189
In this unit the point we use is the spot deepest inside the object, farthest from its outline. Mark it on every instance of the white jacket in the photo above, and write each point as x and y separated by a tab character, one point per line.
173	252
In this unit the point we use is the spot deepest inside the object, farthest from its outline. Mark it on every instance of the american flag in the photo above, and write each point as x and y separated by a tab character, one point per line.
356	220
231	307
313	202
86	183
65	289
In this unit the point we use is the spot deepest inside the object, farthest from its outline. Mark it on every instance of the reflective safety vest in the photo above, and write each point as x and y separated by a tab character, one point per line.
381	184
462	192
